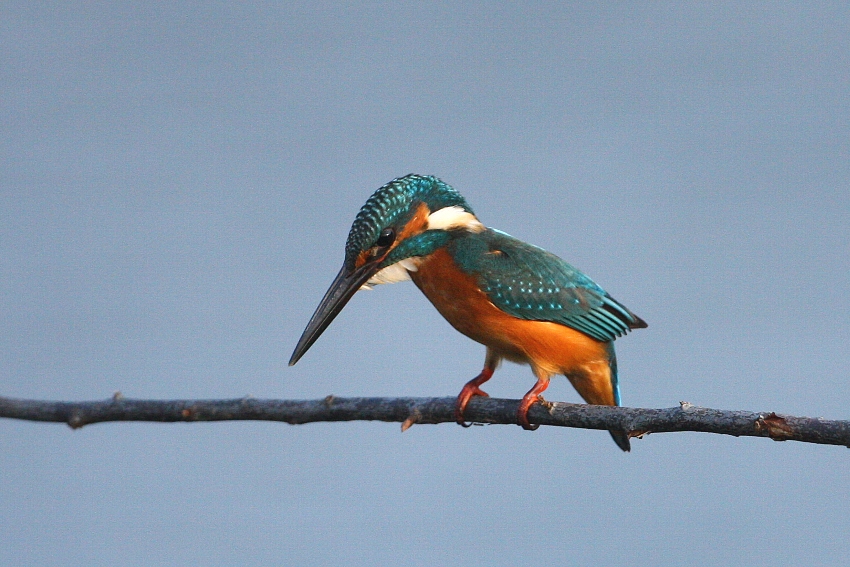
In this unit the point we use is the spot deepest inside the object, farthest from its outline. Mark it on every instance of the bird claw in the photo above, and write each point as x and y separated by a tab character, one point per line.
522	412
463	399
469	390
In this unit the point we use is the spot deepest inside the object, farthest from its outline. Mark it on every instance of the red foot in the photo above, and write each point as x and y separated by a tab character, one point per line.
469	390
529	400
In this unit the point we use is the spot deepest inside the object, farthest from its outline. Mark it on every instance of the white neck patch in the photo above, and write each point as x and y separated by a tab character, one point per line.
453	217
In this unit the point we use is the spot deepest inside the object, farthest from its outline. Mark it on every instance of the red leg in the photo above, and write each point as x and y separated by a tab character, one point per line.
471	389
529	400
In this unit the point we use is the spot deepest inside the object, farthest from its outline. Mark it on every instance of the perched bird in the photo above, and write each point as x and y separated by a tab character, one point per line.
521	302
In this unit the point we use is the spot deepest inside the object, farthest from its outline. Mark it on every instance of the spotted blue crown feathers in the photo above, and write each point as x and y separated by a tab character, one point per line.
391	205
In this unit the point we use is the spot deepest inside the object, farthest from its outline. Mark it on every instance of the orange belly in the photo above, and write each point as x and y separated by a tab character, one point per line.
550	348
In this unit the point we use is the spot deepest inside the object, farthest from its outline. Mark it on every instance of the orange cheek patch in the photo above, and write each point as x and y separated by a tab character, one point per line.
414	226
362	258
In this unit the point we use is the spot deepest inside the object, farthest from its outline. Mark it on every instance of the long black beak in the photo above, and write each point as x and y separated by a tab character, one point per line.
344	286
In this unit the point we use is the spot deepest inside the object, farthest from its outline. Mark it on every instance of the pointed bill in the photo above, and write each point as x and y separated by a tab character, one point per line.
344	286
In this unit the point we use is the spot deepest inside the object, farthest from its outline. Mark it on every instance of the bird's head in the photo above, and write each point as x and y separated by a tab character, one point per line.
406	219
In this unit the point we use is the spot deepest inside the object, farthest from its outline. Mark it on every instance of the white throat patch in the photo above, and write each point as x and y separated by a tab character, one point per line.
398	272
453	217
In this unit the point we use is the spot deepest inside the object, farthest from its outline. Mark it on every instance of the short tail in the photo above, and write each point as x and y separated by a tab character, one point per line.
621	438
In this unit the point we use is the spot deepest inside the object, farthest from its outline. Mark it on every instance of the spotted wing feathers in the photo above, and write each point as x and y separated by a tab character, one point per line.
529	283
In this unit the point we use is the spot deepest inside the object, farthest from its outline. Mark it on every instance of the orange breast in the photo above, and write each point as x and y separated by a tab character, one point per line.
550	348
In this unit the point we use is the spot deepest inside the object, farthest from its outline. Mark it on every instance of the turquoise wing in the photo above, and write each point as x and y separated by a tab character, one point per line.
530	283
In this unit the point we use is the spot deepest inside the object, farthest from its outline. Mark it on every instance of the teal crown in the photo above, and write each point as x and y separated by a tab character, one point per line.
393	205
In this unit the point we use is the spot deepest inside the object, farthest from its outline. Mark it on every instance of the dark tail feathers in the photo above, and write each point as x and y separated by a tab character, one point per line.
621	438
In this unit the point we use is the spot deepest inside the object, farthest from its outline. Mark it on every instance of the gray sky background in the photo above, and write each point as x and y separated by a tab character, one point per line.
176	186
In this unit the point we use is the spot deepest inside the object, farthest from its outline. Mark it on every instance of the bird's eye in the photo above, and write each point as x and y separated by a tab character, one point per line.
386	238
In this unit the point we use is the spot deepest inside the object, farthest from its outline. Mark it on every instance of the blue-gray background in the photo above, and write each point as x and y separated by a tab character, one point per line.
176	185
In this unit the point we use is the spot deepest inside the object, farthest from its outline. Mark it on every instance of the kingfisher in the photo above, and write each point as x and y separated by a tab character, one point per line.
521	302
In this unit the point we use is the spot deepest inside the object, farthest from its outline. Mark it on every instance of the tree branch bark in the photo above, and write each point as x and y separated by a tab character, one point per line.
409	411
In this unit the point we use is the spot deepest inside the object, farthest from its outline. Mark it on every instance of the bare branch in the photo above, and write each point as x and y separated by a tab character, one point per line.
409	411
